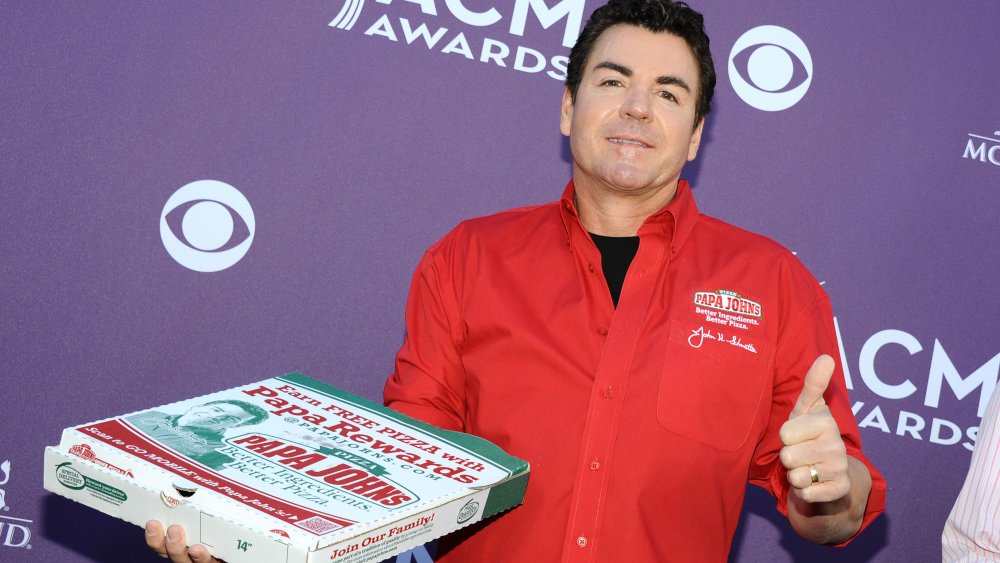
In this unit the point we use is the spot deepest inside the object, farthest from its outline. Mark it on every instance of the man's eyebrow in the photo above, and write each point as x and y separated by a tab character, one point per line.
673	81
626	71
623	70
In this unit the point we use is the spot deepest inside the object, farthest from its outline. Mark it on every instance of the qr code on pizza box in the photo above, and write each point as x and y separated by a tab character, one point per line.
318	525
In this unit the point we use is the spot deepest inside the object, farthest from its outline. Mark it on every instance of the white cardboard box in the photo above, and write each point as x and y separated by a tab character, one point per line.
293	471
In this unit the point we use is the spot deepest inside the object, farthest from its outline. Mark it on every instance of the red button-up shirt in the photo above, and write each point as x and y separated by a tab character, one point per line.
642	424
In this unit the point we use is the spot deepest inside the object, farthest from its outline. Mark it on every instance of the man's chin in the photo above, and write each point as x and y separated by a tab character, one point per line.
635	185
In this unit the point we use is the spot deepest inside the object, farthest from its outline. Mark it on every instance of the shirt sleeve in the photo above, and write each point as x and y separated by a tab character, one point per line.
807	335
972	531
428	380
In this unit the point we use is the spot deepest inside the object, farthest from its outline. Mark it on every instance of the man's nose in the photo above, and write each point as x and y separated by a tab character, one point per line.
636	105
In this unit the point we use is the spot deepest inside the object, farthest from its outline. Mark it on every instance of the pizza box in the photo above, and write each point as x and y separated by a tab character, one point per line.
286	470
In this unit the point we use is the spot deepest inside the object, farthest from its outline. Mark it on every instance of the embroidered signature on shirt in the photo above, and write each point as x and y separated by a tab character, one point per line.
699	335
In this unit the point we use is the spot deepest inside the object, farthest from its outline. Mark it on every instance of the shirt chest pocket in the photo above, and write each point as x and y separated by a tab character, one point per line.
712	384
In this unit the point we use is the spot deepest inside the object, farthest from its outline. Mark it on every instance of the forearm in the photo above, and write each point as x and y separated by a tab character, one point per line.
835	521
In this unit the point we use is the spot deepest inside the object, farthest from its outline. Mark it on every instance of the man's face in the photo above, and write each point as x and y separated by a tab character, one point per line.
632	126
214	417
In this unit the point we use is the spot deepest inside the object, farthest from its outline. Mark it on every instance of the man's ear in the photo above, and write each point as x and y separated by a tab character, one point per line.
566	112
696	140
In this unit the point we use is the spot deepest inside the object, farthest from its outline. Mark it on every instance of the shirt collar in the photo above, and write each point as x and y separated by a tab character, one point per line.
680	215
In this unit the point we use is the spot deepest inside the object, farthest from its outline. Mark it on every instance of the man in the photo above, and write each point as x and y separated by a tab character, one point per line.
644	412
645	359
198	432
972	531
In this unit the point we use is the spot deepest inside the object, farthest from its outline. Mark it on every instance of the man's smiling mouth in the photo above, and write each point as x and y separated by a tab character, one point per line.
632	142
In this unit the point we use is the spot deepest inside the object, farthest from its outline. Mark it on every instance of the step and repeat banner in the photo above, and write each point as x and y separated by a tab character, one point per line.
197	195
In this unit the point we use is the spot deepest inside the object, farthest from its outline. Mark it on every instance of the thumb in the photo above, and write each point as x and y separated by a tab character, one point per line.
815	384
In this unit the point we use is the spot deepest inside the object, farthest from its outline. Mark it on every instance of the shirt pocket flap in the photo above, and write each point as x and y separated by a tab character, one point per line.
712	383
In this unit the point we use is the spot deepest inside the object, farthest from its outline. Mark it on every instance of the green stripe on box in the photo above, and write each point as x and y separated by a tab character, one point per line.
505	496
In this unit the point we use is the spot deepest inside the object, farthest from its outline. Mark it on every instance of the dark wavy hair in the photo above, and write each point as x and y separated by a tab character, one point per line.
658	16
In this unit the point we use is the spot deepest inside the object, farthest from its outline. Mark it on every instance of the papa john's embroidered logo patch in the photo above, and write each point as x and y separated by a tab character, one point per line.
727	308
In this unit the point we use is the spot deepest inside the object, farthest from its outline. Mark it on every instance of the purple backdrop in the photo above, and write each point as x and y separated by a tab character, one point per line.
357	146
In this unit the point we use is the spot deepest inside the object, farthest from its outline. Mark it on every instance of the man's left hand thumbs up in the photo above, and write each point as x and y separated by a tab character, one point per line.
814	454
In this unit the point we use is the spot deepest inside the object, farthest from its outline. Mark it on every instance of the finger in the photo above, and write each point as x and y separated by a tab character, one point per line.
824	491
199	554
816	381
805	428
826	472
799	477
156	538
177	548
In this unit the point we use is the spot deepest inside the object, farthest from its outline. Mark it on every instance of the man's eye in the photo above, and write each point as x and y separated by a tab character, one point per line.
611	82
668	96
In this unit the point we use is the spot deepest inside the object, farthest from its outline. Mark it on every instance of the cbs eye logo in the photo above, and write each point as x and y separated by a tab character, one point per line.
207	226
777	68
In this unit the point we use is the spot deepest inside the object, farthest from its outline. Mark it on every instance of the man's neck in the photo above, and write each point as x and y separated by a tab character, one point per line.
618	215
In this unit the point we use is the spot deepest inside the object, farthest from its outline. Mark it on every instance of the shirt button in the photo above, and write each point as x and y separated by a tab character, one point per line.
602	331
581	541
607	393
591	268
595	465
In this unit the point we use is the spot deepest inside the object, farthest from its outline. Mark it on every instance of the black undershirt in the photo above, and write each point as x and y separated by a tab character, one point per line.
616	255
